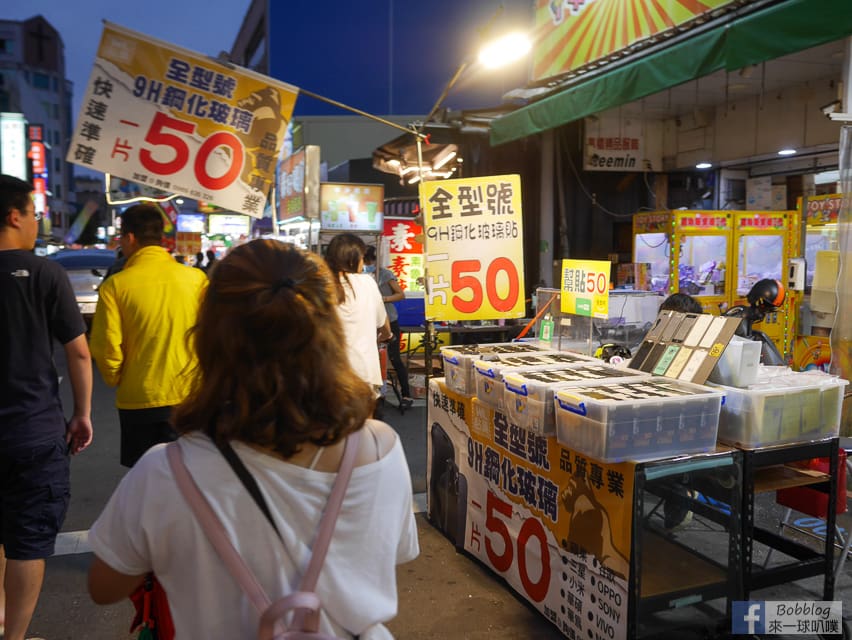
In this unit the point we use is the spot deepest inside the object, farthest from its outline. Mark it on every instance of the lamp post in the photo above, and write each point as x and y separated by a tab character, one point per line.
493	54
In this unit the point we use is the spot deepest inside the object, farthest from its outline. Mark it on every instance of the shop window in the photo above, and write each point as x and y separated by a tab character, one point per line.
57	165
6	46
58	190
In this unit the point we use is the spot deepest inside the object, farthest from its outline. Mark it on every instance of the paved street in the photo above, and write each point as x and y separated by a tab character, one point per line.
443	594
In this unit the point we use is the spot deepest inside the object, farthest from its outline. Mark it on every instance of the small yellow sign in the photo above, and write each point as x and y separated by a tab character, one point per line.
585	288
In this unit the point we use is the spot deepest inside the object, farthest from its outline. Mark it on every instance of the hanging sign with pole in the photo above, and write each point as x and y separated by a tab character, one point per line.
169	118
474	248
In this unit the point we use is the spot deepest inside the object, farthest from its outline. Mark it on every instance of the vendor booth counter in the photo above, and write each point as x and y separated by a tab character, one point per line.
582	539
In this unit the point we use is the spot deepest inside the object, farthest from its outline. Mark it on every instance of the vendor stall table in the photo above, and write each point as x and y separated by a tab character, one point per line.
583	539
767	469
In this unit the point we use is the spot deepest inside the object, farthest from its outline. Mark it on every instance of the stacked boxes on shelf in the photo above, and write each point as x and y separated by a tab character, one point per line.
488	374
638	420
528	395
459	359
781	407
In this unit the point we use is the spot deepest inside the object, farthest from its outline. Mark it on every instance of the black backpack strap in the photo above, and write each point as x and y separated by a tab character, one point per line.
248	482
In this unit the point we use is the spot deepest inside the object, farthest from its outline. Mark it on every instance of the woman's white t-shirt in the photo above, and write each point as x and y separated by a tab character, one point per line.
147	526
362	313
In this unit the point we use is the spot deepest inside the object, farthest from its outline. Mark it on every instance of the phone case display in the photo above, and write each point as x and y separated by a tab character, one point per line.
684	346
488	374
638	420
459	359
782	407
528	395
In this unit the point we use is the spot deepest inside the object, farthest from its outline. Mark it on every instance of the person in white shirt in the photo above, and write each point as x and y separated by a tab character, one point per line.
270	383
361	309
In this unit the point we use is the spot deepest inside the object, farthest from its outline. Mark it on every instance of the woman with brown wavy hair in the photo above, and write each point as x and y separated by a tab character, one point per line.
271	384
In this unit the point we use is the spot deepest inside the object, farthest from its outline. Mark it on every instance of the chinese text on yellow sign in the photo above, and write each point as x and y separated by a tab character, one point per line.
175	120
474	248
585	288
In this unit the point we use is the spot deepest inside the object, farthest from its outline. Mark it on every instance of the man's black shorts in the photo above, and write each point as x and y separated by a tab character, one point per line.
141	429
35	488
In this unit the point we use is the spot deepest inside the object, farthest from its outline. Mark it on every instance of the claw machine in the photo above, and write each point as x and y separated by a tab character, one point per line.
764	242
812	349
689	252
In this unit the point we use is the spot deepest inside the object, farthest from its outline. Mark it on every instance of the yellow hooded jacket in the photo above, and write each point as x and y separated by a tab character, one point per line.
140	326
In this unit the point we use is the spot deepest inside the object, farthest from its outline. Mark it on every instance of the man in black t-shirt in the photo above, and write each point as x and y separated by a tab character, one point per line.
38	307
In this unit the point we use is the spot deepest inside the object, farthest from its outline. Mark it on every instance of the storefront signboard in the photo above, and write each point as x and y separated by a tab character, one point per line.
405	253
172	119
474	248
570	33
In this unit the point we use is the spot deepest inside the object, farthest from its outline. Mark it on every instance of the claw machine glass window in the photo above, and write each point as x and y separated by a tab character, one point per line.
652	245
759	257
701	265
820	228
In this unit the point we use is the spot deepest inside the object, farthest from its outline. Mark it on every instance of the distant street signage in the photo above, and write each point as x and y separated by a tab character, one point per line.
13	145
351	207
474	248
175	120
298	182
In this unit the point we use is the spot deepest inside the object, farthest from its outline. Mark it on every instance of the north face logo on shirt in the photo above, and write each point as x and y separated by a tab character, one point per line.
21	273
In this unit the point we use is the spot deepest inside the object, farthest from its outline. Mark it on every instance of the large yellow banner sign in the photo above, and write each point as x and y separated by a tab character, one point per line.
572	33
171	119
474	248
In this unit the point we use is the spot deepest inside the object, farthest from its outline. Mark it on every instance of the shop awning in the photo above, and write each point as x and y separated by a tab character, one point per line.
766	34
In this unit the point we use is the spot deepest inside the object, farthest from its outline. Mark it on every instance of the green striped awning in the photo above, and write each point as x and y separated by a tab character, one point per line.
766	34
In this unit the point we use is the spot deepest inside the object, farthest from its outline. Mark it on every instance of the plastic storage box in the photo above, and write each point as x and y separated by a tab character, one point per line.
528	395
791	407
638	420
739	363
488	374
459	359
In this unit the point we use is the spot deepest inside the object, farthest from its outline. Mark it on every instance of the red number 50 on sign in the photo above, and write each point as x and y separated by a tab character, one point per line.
159	135
466	277
501	560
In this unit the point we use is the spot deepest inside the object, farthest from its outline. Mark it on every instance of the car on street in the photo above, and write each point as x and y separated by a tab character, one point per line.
86	269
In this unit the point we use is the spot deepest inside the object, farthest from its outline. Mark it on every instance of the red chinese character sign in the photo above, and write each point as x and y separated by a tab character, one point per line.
405	253
171	119
474	248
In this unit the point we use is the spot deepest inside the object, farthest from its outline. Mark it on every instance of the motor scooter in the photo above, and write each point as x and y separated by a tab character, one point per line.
765	296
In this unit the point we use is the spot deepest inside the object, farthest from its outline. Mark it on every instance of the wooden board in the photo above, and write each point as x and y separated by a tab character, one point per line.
783	477
668	567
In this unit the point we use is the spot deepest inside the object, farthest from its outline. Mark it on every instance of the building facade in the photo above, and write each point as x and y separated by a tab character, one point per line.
33	83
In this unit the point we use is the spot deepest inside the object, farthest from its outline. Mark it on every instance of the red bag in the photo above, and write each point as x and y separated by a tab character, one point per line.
153	617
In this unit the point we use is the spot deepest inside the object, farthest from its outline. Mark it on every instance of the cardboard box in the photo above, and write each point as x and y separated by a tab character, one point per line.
759	194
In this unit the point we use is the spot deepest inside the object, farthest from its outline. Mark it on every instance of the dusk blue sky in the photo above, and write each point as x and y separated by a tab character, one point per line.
201	25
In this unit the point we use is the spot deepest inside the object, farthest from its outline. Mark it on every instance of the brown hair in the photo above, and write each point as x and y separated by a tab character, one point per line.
344	255
269	343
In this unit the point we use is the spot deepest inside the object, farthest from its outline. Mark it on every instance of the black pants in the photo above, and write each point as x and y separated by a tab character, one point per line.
396	360
141	429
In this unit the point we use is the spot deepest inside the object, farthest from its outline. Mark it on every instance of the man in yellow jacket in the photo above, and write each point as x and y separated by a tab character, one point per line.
139	333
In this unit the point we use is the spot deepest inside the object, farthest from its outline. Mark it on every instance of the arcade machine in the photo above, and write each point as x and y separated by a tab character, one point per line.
689	252
763	244
811	349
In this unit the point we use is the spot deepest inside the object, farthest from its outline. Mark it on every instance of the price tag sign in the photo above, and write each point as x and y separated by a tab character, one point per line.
585	288
474	248
175	120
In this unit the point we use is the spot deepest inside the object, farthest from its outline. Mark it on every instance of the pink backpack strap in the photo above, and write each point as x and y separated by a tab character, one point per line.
306	619
306	602
213	529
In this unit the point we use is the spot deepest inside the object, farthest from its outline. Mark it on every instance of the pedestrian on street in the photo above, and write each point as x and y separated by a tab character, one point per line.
35	441
139	332
271	391
391	292
360	308
211	261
